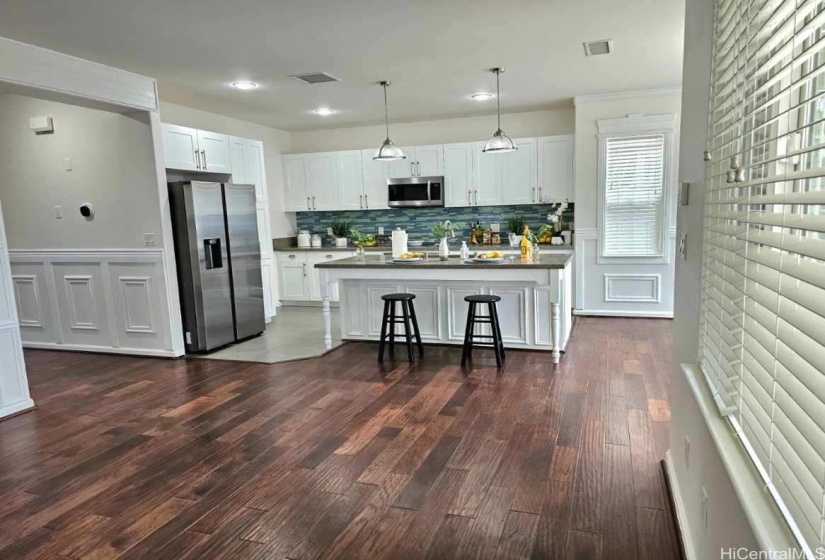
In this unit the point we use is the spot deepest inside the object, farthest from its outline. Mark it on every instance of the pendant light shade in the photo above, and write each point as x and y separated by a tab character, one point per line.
500	143
388	151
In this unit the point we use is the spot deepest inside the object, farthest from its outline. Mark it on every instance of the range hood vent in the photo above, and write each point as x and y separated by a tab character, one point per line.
315	78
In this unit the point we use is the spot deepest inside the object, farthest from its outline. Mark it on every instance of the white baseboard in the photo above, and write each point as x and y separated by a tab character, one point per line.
102	349
15	408
307	303
620	313
679	505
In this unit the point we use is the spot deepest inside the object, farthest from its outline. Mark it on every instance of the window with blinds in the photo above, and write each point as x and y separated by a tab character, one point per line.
762	345
633	202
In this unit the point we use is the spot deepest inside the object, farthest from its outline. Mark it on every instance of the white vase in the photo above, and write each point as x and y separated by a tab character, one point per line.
443	249
340	241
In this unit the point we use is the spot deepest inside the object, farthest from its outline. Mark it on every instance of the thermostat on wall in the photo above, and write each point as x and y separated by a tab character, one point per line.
41	124
87	211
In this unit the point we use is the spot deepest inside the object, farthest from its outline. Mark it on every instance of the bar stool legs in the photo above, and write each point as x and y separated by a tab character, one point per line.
472	339
407	318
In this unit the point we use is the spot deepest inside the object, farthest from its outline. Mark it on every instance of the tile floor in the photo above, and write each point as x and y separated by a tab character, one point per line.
294	333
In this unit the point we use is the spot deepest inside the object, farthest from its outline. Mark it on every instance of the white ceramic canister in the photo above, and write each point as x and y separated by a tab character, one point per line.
304	238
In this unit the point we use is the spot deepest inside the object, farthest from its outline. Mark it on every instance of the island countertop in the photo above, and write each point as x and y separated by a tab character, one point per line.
547	261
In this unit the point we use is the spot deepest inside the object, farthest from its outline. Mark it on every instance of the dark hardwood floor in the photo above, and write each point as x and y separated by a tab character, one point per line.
338	457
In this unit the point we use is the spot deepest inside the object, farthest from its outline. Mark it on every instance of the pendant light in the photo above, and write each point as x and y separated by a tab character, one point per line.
500	142
388	151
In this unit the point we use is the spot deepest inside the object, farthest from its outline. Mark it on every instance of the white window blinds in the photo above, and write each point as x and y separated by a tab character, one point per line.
633	207
763	301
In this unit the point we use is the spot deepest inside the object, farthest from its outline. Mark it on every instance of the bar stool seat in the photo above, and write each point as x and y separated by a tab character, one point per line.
472	339
407	318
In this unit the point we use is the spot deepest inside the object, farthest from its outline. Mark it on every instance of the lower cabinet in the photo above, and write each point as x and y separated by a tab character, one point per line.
300	280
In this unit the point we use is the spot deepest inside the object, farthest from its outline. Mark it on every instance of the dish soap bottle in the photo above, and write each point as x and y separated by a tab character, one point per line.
465	251
525	244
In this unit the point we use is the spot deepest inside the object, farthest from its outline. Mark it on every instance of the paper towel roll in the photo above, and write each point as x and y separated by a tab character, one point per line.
399	242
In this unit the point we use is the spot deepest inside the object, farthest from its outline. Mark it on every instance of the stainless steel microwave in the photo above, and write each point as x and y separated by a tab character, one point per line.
415	191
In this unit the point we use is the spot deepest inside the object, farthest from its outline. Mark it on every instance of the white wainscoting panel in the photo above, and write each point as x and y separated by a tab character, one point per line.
93	300
376	307
633	288
426	304
457	311
512	313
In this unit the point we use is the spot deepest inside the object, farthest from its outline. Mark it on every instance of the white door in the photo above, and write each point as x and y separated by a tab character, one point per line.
519	173
350	181
14	385
180	148
296	188
254	167
323	180
214	149
402	168
376	174
555	168
487	177
293	278
429	160
236	157
458	174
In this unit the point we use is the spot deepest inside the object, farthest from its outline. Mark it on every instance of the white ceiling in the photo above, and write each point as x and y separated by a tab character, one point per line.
435	52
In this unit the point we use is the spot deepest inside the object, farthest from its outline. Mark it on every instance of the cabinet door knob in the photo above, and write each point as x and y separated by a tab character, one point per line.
329	256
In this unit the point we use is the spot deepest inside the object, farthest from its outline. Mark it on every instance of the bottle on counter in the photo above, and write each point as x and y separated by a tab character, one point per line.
487	236
525	245
464	251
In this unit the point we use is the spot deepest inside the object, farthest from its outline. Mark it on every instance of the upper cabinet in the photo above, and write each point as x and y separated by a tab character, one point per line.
421	161
539	171
189	149
556	163
247	161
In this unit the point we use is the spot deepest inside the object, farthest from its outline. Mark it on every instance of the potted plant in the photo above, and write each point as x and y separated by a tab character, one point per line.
444	230
340	230
515	225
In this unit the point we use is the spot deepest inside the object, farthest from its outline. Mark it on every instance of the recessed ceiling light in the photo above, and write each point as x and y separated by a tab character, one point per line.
324	111
482	96
244	85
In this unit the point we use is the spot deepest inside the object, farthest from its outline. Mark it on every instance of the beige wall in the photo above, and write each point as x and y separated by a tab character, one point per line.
113	168
276	142
517	125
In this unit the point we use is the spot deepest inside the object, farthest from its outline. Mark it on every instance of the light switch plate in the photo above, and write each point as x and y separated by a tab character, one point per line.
58	212
495	228
69	164
380	230
149	239
329	231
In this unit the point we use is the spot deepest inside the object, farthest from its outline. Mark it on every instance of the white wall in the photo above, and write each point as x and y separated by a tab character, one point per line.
276	142
112	168
590	290
517	125
727	525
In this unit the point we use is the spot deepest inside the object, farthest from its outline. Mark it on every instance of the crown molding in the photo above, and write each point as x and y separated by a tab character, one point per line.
601	97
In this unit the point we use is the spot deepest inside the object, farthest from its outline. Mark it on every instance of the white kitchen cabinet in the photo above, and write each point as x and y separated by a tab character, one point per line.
189	149
429	160
487	178
556	168
421	161
297	197
323	180
458	174
180	148
300	280
519	173
214	150
350	180
375	175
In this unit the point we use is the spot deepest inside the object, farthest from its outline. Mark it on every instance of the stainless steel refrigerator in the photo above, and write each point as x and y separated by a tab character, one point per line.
219	262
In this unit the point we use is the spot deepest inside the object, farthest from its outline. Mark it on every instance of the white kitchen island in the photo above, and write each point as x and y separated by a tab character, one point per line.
535	311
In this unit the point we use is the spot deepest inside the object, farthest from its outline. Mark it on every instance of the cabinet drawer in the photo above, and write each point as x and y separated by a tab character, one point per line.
292	257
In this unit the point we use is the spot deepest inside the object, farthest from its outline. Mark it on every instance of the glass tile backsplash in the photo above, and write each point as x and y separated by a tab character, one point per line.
418	222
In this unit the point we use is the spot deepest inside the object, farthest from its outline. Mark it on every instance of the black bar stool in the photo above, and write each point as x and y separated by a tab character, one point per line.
470	337
390	319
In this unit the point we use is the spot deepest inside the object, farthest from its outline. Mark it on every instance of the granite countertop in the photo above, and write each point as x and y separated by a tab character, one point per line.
547	261
431	248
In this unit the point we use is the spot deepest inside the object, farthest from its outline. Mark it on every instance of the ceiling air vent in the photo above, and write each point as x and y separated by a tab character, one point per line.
593	48
315	78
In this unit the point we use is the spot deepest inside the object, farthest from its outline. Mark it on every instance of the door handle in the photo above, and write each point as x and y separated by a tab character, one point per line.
308	206
366	201
205	165
534	195
418	168
305	269
314	207
540	198
476	191
197	159
361	200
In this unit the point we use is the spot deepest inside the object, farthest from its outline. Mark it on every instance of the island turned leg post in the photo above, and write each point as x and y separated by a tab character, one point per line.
326	310
555	327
